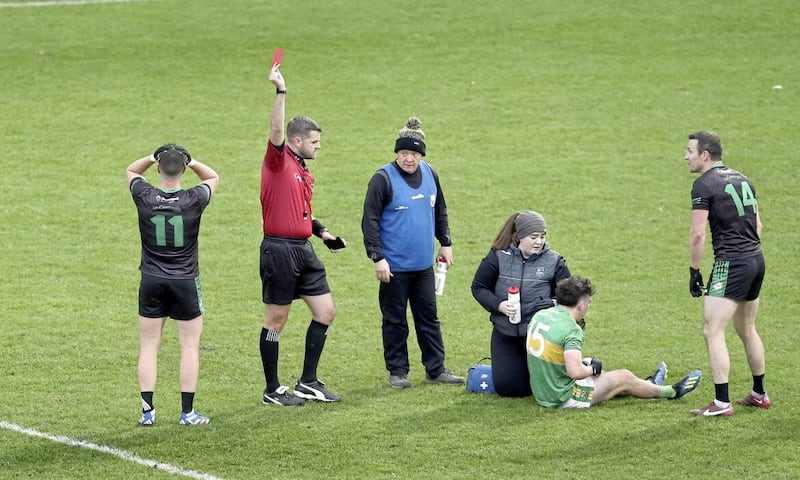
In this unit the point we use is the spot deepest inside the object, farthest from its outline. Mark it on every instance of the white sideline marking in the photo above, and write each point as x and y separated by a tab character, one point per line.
113	451
60	3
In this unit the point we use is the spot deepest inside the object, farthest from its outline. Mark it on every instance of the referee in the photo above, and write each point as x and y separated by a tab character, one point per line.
289	267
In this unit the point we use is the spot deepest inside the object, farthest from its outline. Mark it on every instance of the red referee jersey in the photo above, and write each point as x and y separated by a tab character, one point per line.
286	190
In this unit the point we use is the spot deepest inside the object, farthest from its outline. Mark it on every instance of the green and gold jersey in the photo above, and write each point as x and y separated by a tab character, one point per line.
550	333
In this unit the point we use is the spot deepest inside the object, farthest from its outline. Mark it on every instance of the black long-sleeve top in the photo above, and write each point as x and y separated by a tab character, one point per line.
379	194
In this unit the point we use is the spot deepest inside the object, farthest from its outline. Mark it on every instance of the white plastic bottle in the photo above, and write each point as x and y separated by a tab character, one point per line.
440	275
513	298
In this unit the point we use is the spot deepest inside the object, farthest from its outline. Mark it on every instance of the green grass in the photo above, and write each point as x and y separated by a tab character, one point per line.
579	110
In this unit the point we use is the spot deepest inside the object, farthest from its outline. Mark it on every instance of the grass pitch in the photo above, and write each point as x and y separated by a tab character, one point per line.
578	110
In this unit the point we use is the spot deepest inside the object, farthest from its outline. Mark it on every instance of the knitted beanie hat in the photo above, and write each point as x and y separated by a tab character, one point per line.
411	137
529	222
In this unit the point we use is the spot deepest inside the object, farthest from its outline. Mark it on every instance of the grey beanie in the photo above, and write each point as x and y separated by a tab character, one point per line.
529	222
411	137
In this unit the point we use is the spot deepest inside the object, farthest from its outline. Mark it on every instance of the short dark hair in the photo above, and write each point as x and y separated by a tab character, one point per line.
570	290
301	126
171	159
708	141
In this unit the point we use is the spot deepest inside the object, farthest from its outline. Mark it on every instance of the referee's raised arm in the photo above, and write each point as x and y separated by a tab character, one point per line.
279	107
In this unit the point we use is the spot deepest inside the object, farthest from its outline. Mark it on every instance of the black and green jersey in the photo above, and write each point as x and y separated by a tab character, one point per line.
169	224
730	199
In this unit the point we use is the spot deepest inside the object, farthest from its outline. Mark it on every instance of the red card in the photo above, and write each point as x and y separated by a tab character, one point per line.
277	57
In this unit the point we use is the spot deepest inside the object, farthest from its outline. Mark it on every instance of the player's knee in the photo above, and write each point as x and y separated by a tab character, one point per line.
711	331
327	315
274	324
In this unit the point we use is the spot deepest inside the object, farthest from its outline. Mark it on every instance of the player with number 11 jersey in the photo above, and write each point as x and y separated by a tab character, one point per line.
169	221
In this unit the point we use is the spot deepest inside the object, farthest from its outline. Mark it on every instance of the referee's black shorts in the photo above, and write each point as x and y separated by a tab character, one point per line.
290	268
738	279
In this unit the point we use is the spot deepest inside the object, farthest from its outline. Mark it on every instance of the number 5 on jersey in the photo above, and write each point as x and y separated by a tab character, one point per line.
536	339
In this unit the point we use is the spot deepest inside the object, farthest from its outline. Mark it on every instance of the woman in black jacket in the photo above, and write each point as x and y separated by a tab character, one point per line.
519	257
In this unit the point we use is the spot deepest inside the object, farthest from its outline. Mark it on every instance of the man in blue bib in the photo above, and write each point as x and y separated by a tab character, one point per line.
404	210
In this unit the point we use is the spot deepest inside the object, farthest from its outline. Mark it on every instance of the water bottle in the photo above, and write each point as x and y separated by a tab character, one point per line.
513	298
439	275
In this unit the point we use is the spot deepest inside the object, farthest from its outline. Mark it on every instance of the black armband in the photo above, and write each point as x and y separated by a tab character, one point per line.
317	228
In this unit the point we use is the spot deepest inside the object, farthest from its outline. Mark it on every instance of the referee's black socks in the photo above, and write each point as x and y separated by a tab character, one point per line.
269	357
315	342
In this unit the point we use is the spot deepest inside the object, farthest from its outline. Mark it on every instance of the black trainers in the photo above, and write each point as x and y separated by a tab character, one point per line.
445	378
315	391
399	381
687	384
281	396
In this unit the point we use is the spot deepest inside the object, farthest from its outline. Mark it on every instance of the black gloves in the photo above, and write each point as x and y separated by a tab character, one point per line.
582	323
595	363
187	159
696	287
597	366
